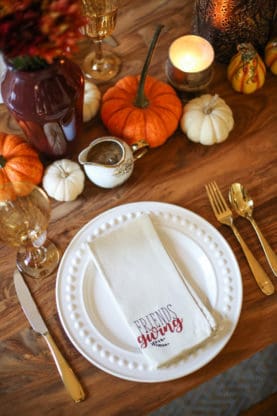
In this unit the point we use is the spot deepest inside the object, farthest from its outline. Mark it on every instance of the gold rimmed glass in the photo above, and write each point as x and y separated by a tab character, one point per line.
24	217
100	65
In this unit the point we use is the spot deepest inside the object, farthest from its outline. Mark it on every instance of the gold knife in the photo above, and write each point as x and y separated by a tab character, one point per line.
33	315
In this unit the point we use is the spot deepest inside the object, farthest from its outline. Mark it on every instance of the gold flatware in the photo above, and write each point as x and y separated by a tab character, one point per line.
224	215
244	205
33	315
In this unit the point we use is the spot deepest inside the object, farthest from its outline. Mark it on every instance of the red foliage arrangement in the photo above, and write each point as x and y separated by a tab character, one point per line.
34	32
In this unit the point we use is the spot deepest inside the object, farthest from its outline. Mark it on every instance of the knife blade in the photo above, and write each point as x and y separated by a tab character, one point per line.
33	315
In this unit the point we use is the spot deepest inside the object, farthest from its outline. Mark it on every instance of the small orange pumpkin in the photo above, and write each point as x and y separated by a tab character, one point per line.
142	107
271	55
246	70
18	160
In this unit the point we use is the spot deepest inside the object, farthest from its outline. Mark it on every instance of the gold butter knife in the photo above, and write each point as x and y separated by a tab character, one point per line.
33	315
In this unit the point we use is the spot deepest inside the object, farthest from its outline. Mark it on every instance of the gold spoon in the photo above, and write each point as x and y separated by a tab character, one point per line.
244	205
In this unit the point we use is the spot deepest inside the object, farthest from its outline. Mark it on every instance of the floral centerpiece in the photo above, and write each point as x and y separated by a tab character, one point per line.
42	88
34	32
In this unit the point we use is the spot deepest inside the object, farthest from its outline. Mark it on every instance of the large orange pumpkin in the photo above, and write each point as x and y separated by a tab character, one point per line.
142	107
18	160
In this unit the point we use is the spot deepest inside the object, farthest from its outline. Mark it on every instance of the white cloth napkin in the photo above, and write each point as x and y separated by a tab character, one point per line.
164	314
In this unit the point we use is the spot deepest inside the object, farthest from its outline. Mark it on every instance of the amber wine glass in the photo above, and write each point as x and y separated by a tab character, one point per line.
100	65
24	217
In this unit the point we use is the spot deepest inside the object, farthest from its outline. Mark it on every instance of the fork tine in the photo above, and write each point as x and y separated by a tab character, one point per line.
217	200
219	196
214	195
210	196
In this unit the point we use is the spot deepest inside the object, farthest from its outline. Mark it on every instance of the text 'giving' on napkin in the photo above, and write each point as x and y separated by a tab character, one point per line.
164	314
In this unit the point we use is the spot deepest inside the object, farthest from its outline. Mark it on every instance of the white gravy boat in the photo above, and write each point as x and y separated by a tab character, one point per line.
109	161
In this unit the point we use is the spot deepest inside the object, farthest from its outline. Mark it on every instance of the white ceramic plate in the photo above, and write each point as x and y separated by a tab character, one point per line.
89	314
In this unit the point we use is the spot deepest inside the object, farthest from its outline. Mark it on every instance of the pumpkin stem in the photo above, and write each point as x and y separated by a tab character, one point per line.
141	100
210	106
247	51
2	161
64	174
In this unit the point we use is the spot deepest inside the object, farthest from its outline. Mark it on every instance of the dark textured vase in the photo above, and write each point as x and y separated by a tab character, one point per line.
226	23
47	104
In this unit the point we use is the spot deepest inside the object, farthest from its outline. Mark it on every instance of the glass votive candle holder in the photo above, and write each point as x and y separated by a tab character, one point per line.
189	67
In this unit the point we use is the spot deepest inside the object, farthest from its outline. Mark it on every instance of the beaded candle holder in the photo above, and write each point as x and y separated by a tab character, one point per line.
226	23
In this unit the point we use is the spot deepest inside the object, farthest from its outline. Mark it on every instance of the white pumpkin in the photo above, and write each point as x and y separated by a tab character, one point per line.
63	180
92	97
207	119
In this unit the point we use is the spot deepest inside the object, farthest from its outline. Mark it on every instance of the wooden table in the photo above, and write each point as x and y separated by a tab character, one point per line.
174	173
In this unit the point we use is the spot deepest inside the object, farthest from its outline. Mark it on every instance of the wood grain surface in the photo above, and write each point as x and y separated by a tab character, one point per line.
174	173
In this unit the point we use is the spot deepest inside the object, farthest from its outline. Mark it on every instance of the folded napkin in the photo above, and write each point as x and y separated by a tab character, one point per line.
164	314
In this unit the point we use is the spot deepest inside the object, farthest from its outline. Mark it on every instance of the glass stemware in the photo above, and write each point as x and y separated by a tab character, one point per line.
24	217
100	65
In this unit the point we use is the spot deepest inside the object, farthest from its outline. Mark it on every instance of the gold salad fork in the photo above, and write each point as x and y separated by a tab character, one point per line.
224	215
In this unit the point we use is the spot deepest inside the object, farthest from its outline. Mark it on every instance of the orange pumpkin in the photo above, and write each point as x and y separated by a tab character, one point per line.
18	160
246	70
142	107
271	55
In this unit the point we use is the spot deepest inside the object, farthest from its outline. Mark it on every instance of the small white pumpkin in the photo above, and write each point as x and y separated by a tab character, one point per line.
207	119
92	97
63	180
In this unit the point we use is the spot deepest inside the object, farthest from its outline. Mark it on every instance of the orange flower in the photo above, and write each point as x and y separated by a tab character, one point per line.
42	29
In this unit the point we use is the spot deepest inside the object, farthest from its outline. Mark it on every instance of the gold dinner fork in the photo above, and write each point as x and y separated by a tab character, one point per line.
224	215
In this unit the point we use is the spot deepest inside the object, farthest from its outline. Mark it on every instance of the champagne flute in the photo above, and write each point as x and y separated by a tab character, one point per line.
24	217
100	65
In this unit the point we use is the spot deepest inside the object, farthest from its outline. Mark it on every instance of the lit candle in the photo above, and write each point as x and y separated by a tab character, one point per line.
191	53
189	65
